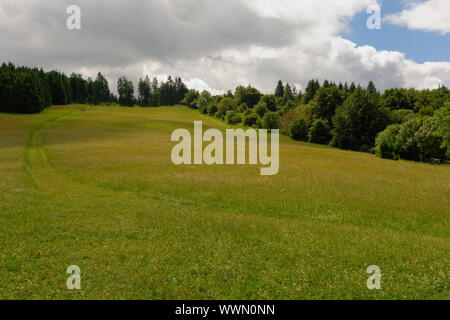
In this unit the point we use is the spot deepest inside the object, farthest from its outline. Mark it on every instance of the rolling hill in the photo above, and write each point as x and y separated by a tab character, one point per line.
95	187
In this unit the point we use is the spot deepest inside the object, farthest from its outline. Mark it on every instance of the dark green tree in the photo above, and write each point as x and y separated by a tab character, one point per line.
144	92
125	89
372	88
271	120
279	90
326	101
358	121
101	90
320	132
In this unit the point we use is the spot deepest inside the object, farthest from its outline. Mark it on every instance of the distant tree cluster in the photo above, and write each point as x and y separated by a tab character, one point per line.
400	123
31	90
341	115
421	138
151	93
246	105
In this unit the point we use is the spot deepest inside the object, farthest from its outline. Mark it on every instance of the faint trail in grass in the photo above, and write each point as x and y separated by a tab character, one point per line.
49	179
36	161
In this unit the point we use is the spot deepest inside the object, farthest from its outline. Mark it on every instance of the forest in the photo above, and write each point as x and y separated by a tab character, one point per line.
397	124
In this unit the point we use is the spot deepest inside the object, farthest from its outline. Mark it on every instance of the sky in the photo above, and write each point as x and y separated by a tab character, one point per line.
217	45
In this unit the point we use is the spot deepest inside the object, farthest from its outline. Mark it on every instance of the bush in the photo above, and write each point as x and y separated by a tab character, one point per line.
387	150
212	109
320	132
243	108
251	119
290	105
386	143
299	130
233	118
288	119
190	99
442	118
270	121
270	102
414	140
406	140
261	109
429	140
225	105
202	104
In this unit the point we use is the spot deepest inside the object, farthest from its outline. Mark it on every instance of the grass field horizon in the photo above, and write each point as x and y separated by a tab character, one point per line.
98	189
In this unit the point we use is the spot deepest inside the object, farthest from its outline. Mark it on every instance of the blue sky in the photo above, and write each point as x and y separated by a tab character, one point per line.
417	45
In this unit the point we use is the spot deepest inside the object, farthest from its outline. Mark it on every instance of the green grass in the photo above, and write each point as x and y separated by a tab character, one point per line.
98	190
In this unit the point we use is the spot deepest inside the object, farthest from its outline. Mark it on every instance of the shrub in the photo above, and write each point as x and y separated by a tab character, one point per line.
290	105
243	108
190	99
386	143
270	102
320	132
251	119
233	118
212	109
270	121
406	140
387	150
261	109
288	119
429	141
442	118
299	130
225	105
202	104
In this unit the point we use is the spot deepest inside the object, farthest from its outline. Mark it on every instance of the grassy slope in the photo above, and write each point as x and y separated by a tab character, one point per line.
98	190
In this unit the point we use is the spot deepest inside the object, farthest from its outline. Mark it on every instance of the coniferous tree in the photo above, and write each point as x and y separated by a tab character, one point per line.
144	92
90	91
180	90
155	97
101	90
57	88
125	89
287	95
371	87
310	91
79	88
279	90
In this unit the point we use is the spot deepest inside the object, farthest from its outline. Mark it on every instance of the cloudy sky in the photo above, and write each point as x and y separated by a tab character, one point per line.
216	44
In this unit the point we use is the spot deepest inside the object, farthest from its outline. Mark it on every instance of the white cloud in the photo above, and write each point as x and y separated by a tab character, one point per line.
201	85
432	15
212	44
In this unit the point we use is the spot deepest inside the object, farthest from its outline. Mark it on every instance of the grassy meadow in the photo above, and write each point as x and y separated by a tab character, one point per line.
98	189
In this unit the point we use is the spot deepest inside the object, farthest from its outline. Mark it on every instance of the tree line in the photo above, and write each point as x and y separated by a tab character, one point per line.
400	123
31	90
